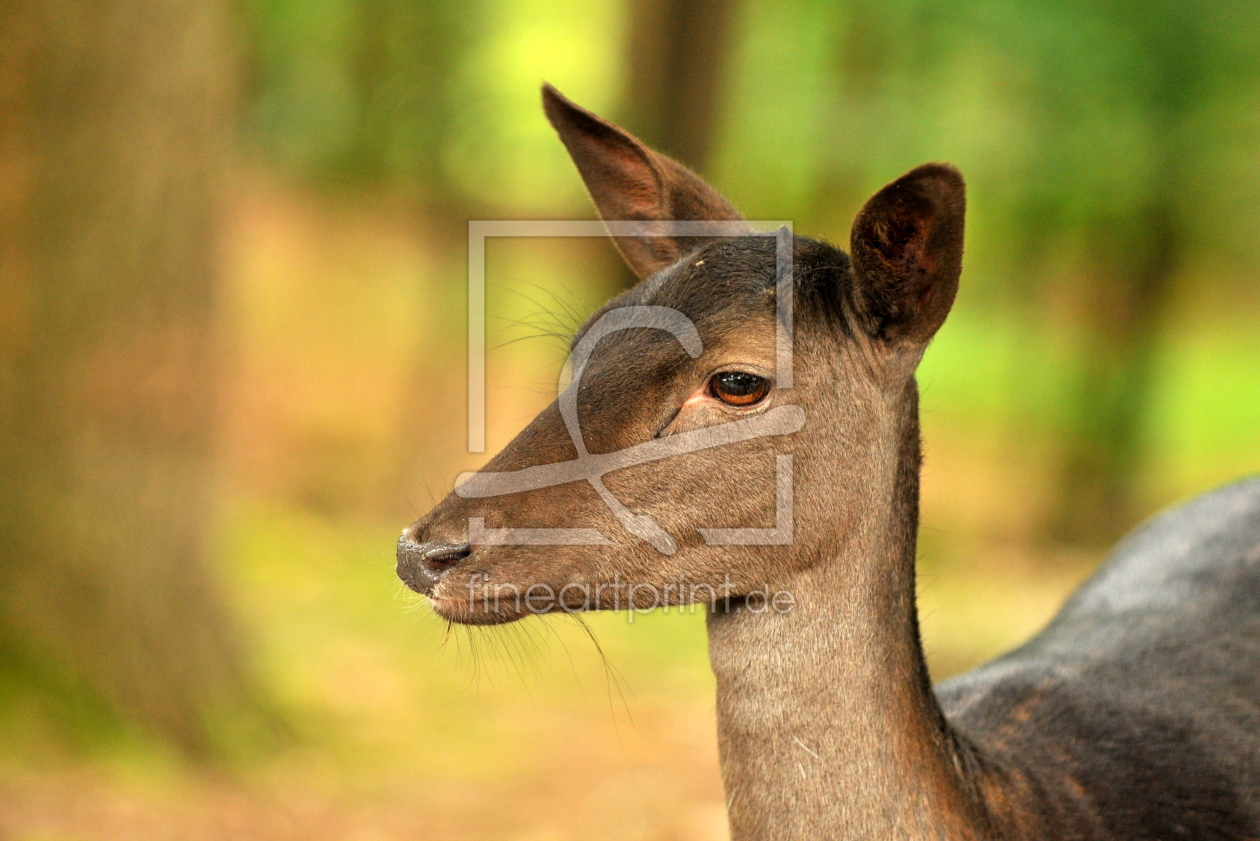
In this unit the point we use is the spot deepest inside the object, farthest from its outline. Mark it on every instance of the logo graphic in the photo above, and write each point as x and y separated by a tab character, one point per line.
780	420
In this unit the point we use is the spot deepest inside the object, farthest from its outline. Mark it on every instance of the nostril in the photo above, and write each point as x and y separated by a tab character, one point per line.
422	565
439	557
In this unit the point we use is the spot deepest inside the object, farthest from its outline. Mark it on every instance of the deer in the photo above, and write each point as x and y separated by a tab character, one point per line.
1135	714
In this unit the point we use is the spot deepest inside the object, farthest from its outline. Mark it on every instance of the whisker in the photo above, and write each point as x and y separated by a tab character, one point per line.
612	677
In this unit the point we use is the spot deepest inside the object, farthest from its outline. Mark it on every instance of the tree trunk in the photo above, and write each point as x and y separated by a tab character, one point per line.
1102	454
677	54
114	120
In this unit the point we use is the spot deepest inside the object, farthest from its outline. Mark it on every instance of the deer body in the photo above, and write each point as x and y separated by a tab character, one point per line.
1134	715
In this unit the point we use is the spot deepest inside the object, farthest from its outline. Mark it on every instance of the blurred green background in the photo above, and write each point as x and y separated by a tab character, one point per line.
232	320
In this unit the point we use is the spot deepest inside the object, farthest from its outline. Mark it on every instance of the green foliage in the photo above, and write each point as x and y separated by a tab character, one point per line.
437	100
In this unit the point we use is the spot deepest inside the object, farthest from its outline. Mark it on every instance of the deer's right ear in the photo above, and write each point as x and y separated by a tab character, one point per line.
907	246
630	182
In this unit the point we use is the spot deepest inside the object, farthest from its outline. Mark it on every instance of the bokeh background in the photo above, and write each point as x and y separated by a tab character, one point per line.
232	319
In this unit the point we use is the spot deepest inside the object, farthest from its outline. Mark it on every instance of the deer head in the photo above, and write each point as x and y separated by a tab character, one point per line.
678	425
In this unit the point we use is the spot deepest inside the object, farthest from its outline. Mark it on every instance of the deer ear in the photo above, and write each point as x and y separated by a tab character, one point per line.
907	246
630	182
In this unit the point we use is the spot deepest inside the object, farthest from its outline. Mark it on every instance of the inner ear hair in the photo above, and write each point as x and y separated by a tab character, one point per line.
907	246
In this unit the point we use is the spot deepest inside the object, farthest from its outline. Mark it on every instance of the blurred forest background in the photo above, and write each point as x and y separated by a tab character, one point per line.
232	326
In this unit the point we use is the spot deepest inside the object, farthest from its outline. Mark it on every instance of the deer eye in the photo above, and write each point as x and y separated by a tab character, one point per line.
738	388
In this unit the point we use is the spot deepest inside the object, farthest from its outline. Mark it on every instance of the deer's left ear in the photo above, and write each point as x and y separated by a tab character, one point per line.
907	245
630	182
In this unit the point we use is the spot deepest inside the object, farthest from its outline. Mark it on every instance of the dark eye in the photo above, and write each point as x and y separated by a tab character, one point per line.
737	388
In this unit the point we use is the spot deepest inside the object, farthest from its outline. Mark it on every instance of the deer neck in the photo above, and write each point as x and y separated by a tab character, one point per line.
827	723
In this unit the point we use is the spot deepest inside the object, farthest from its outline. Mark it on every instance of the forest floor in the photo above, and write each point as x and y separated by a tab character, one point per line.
404	732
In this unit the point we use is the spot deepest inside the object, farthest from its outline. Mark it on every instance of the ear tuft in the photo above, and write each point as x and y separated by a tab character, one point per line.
630	182
907	245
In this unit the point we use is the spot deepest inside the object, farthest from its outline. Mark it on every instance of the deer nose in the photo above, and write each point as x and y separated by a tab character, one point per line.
422	565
